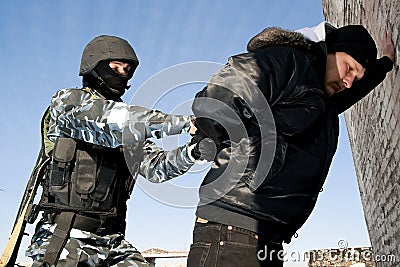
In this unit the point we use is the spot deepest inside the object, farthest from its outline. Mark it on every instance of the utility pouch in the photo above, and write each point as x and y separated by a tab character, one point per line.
59	175
105	179
63	154
85	173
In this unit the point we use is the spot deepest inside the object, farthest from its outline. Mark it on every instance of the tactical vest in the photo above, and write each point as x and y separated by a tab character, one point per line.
92	181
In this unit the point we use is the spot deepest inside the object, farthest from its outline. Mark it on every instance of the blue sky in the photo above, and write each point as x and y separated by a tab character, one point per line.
41	46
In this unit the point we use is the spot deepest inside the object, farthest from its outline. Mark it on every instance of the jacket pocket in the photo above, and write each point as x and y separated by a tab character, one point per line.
277	164
279	158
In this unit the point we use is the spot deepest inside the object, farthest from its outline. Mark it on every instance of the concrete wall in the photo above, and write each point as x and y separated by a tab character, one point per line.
374	127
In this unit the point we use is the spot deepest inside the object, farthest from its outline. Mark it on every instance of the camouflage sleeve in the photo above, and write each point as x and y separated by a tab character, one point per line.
84	116
159	165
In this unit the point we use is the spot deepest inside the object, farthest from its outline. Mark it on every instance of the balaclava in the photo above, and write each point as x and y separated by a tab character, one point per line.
355	41
114	82
95	67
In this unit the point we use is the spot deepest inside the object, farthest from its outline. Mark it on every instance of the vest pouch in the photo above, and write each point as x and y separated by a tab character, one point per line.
63	154
106	175
83	178
60	168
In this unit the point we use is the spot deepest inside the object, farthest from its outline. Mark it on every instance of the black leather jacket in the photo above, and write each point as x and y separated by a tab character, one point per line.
272	195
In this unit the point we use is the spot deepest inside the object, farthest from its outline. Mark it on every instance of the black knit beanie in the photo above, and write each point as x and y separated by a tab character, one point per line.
355	41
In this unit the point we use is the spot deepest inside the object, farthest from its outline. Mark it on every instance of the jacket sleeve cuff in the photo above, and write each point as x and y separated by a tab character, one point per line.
385	63
189	150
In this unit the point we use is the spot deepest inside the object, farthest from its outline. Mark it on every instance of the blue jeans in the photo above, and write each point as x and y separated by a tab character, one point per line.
216	244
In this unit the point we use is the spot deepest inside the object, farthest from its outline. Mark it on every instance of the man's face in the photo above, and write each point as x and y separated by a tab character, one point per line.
119	67
341	71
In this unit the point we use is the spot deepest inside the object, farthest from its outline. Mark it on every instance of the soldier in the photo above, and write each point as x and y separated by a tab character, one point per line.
90	177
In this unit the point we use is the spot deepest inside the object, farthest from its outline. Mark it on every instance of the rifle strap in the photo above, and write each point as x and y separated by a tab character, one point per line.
59	238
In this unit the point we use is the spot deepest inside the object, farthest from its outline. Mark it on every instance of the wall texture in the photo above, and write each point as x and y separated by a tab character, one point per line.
374	127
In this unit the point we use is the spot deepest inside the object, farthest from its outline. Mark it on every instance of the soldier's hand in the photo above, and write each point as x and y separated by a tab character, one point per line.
204	148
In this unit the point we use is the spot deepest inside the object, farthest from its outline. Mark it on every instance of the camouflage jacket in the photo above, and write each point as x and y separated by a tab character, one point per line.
85	115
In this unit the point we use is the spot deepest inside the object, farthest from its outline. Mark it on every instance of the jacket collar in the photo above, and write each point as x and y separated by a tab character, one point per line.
275	36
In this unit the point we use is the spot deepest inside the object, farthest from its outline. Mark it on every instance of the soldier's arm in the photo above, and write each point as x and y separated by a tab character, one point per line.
159	165
80	115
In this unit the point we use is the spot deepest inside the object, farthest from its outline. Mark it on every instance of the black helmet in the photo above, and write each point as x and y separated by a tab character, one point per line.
107	47
95	67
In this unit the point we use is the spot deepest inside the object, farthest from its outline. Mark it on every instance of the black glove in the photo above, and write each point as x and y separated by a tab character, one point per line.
204	149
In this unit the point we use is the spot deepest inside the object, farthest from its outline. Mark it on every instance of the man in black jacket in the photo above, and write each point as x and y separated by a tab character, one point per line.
273	113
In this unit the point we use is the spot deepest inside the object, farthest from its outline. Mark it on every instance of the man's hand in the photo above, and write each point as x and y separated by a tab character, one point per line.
387	45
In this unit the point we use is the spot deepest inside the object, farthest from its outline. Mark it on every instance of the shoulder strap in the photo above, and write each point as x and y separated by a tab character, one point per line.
59	238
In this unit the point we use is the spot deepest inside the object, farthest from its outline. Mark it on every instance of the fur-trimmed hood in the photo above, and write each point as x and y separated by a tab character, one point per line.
275	36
